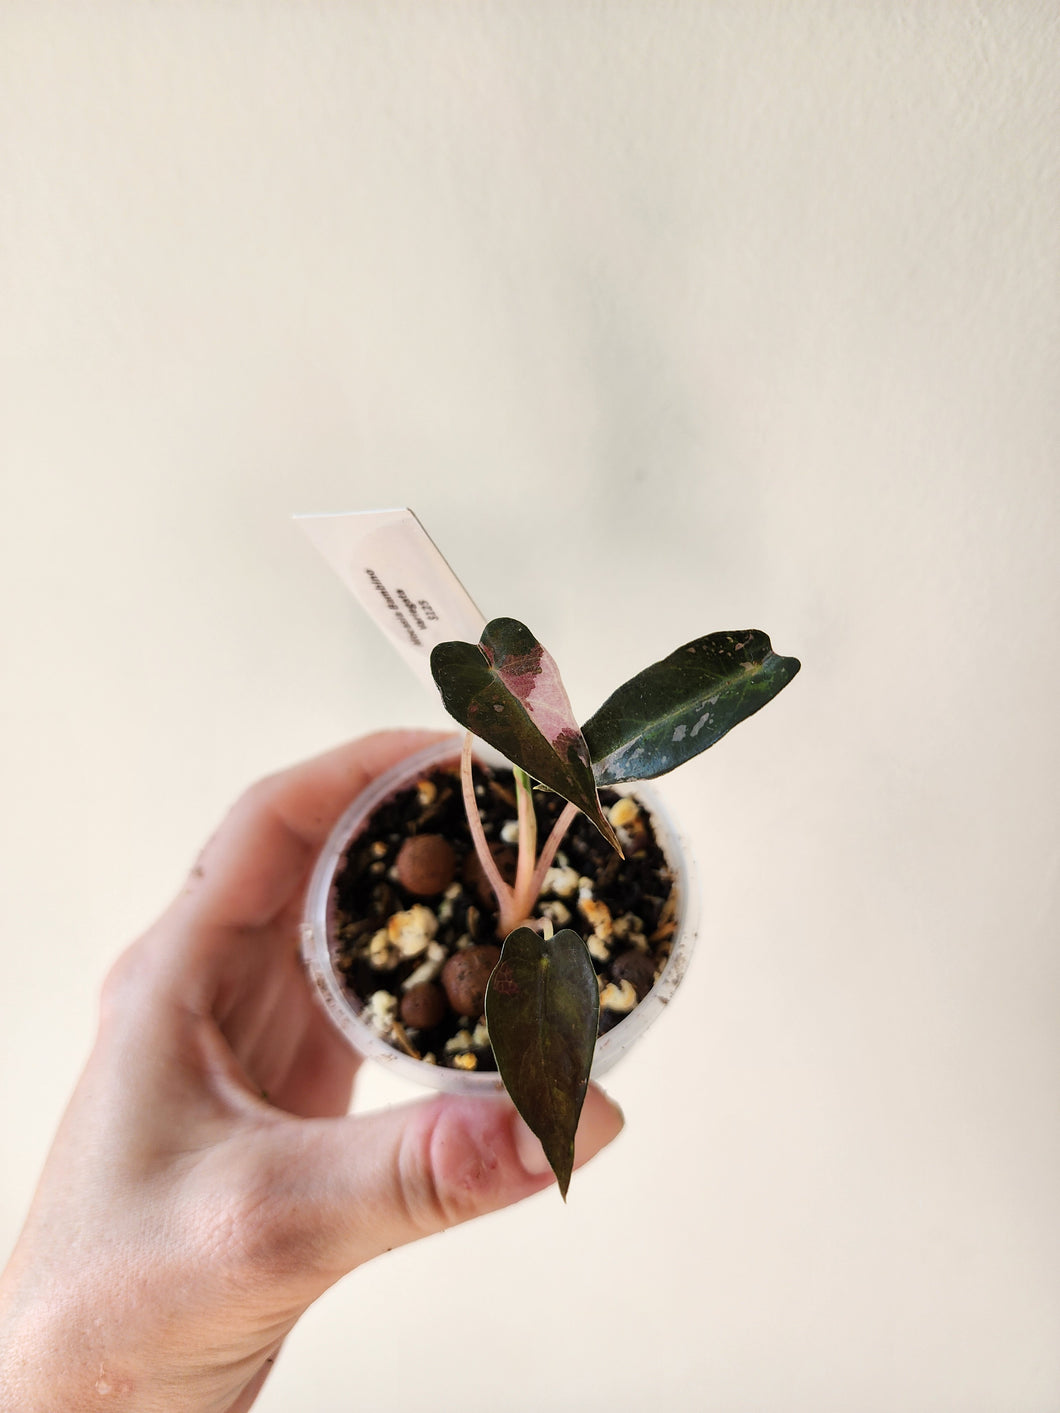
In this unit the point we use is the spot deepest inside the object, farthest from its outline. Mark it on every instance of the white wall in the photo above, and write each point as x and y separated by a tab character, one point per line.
665	318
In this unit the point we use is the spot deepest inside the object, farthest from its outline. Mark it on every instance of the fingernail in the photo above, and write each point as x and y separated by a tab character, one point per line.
601	1121
528	1148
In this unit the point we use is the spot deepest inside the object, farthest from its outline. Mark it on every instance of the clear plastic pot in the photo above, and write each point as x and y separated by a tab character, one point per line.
344	1008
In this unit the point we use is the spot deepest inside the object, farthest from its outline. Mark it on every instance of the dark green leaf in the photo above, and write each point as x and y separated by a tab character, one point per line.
507	690
678	707
543	1013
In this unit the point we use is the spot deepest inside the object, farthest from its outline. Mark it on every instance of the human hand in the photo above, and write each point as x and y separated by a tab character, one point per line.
206	1183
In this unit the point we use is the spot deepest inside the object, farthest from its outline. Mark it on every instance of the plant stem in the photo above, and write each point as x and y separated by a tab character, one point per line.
501	890
527	836
513	904
548	853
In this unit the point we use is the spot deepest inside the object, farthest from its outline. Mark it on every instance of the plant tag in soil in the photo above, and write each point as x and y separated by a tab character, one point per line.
400	578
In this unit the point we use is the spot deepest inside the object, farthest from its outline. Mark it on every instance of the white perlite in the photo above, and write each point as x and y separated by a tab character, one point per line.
562	882
380	1012
618	996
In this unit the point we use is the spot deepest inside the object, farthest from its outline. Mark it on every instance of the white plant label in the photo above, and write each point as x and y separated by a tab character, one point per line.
400	577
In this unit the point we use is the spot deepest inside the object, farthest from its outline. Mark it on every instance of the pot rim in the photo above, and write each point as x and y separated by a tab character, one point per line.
344	1008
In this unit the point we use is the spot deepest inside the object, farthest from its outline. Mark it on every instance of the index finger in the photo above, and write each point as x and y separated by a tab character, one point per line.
256	863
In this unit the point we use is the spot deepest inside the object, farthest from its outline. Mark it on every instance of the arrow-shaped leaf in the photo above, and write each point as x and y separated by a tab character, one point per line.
678	707
507	690
543	1013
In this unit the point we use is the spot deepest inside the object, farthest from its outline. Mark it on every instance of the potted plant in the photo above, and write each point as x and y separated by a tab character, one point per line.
497	929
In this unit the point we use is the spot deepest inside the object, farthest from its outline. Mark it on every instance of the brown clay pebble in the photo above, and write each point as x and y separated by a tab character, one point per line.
423	1005
638	969
426	865
465	975
506	860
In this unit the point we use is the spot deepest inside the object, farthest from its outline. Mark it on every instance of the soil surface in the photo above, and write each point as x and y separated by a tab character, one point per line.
391	942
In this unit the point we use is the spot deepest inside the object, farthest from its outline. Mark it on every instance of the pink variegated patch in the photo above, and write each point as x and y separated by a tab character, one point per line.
533	679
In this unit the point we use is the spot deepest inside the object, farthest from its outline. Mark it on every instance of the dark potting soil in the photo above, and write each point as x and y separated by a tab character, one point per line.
390	942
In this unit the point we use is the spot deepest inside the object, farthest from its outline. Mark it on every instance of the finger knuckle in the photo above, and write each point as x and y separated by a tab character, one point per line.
122	982
263	1235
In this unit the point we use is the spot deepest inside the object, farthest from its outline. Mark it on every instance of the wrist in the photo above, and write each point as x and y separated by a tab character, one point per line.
51	1357
51	1361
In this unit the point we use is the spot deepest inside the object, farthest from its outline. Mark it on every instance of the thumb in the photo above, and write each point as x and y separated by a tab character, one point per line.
403	1173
